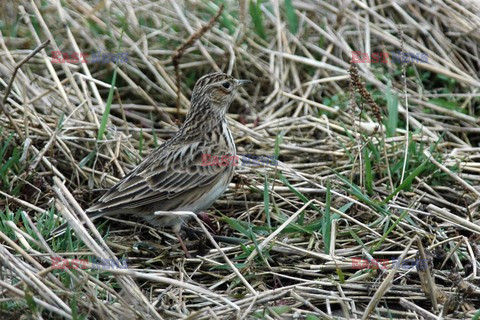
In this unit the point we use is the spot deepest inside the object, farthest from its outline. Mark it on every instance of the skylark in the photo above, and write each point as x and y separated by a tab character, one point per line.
172	177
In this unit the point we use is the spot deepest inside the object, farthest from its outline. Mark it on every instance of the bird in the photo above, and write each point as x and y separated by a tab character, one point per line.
173	177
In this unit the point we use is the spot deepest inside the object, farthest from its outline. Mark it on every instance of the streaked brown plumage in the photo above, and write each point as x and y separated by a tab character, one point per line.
172	177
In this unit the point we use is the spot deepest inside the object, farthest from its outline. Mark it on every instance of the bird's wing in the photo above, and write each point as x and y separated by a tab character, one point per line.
165	174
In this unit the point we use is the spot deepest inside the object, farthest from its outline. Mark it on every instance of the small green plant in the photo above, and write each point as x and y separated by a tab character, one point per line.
257	18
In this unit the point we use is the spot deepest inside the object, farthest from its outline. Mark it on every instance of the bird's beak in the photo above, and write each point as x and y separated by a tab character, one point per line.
242	82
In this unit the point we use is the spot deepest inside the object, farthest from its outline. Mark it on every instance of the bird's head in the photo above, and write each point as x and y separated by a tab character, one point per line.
214	93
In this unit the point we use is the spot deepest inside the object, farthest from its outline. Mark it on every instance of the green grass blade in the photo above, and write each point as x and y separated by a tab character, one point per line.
341	276
476	316
356	237
291	16
301	216
257	18
30	302
155	138
278	142
106	113
387	232
407	182
140	143
87	159
5	147
357	192
327	222
266	202
392	106
368	172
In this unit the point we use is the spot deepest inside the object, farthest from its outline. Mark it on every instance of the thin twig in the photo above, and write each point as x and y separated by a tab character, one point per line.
180	51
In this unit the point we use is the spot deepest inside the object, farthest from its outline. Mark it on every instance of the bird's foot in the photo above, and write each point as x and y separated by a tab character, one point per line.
208	222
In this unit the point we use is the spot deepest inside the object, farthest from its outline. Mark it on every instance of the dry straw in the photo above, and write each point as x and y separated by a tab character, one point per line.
377	164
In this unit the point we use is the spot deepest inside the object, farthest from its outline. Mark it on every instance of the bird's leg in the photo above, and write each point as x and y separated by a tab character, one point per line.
177	226
182	244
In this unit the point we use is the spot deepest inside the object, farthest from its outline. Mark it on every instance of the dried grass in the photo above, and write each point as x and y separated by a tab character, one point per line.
287	237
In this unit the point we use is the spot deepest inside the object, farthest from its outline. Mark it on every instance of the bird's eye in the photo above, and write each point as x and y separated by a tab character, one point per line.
226	85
